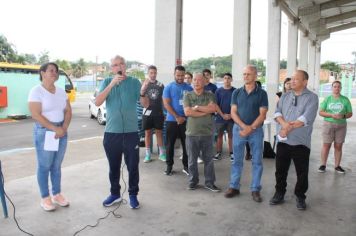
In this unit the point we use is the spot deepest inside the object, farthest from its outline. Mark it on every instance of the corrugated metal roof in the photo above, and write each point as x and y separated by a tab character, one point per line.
320	18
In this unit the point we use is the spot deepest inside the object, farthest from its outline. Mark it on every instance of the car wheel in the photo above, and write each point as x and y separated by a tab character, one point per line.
91	114
100	118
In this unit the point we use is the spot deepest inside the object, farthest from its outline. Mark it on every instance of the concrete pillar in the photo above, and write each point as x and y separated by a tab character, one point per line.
311	66
292	48
273	53
317	69
241	39
303	51
168	38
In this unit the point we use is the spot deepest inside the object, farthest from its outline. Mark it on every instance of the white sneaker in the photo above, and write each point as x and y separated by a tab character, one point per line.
185	171
200	161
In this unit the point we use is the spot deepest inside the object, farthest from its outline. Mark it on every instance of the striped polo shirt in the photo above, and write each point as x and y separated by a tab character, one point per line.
304	108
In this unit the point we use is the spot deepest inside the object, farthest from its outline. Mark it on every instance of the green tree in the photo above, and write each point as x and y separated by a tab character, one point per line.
260	65
65	65
80	68
105	73
30	58
222	65
199	64
20	59
139	74
331	66
43	57
129	64
7	50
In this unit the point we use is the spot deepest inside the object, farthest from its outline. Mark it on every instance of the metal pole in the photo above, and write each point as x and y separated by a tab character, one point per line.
95	71
354	53
2	193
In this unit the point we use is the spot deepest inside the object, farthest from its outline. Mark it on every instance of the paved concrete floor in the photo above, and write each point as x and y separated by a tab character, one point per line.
167	208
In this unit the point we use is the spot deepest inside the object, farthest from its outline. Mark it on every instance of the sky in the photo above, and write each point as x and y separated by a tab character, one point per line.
101	29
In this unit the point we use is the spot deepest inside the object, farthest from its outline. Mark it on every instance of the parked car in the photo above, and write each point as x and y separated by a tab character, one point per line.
98	112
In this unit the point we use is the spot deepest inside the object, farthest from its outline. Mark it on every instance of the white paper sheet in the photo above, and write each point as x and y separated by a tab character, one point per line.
51	143
146	112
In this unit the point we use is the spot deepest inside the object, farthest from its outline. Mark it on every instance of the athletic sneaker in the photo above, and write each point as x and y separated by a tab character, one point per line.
340	170
212	188
162	157
185	170
217	156
322	169
301	205
147	159
192	186
200	161
278	198
111	200
168	171
134	204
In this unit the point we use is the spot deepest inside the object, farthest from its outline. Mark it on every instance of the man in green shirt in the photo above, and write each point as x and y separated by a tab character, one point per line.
121	93
199	107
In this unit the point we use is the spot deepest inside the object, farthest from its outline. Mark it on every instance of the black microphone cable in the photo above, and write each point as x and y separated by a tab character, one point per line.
116	215
13	205
123	202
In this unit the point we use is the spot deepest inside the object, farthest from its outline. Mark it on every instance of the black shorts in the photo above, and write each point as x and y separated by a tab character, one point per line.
152	122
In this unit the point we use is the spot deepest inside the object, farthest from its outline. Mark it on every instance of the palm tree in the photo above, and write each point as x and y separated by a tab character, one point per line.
80	68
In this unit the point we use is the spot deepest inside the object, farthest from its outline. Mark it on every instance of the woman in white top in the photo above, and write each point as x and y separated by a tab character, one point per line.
51	110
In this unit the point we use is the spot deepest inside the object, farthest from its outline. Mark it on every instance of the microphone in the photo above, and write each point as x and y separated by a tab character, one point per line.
120	74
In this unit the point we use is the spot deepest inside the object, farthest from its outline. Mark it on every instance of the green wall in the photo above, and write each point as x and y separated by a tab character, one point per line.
18	87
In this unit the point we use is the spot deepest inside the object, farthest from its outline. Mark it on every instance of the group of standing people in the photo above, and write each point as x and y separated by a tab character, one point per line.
194	112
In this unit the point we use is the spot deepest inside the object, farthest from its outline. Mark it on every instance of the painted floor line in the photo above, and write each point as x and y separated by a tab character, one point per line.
17	150
85	139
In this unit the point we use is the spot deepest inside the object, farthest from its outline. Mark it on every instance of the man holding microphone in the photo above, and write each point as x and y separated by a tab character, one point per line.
121	93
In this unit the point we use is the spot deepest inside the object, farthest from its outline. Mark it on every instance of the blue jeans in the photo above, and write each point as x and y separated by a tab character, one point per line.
255	140
48	162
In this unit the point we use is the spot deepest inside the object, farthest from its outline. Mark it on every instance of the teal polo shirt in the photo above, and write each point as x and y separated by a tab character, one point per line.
249	104
121	114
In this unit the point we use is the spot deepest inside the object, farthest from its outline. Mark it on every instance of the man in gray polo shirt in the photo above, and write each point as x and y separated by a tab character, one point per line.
249	105
295	114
